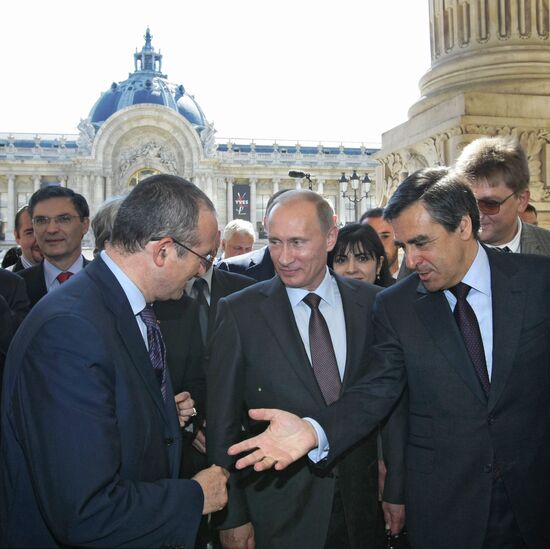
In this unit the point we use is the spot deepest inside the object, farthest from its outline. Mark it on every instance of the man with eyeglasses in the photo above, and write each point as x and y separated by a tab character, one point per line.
498	171
60	219
91	443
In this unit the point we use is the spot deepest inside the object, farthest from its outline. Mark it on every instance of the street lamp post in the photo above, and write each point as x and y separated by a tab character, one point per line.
353	183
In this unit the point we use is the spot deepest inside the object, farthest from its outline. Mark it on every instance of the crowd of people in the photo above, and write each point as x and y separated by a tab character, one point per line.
323	391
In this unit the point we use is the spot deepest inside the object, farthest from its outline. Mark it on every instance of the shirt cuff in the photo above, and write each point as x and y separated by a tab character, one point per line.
321	452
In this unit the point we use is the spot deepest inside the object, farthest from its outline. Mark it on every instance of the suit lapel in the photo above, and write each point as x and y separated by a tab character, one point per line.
356	317
115	300
219	289
508	309
434	311
279	319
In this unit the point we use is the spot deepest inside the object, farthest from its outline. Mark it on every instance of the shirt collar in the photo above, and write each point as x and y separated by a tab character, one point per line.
206	276
132	292
514	244
26	263
324	291
479	273
51	271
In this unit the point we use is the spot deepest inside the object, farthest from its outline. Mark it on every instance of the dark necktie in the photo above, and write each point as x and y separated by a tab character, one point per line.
157	351
200	285
323	358
469	327
63	277
503	249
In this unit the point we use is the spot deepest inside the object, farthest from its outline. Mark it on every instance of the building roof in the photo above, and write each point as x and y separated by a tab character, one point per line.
147	84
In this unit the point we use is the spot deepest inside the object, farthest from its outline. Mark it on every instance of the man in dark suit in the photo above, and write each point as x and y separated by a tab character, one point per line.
60	218
477	429
90	436
24	236
186	325
180	323
263	354
14	305
497	168
256	264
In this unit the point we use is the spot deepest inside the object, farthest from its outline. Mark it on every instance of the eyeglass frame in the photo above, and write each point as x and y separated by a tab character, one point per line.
61	219
492	204
206	260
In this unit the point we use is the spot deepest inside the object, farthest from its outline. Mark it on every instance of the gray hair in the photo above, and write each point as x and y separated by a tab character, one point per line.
160	205
238	226
103	221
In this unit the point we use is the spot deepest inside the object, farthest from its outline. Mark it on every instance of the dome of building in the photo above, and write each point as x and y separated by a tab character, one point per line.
147	84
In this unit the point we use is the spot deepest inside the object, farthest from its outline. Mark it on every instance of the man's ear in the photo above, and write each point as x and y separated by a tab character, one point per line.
159	250
523	198
465	227
332	236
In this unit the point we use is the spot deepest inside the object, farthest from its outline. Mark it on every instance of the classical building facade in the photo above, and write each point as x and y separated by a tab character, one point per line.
489	75
145	125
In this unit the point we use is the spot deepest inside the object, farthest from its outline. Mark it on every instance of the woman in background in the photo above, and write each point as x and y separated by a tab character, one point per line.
359	254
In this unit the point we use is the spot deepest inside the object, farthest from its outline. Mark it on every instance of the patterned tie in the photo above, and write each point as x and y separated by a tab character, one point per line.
323	358
157	351
200	285
469	327
505	249
63	277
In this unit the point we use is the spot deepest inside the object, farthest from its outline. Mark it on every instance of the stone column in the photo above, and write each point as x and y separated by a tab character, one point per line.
11	207
85	187
36	183
108	187
275	185
98	192
320	186
229	209
253	202
209	188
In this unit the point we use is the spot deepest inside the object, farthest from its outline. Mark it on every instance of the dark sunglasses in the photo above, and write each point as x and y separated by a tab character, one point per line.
491	207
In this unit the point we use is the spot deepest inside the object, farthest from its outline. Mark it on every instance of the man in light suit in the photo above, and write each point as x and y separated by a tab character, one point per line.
477	439
90	436
260	356
498	171
60	218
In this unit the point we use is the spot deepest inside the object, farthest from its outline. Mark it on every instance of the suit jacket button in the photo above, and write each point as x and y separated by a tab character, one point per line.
491	420
169	441
488	468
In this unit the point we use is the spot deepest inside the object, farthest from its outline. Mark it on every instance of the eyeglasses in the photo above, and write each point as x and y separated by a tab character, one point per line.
206	260
44	220
491	207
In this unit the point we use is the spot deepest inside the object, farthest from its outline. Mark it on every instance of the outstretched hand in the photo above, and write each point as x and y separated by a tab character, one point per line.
286	440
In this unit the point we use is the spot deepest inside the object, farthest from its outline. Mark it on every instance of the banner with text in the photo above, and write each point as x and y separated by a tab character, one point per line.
241	202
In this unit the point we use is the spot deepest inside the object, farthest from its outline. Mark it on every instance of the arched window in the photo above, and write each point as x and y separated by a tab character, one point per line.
140	175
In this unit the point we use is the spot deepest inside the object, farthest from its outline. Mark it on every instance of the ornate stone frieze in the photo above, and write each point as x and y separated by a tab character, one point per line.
150	151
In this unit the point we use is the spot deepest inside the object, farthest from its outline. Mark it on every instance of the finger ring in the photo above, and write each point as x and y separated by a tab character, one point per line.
194	413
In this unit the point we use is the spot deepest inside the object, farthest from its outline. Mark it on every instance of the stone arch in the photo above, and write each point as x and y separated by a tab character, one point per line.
146	136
